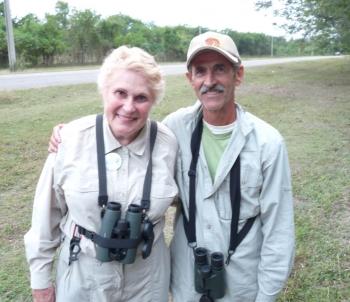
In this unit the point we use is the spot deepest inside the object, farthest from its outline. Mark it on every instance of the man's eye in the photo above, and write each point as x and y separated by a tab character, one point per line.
220	68
199	71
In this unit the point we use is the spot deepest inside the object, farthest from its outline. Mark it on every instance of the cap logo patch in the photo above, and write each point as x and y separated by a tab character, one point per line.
212	42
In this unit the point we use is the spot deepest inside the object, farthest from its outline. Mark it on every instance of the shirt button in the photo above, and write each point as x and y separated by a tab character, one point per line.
208	226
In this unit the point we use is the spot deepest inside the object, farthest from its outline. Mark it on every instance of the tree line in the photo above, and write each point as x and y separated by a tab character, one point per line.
71	36
325	22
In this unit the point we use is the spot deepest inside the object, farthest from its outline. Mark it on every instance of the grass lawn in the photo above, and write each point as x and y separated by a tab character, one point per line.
308	102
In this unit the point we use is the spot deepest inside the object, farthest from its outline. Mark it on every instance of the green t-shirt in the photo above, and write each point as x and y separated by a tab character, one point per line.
214	146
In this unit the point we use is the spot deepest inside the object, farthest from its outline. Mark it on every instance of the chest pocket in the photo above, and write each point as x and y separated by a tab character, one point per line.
162	195
251	182
81	194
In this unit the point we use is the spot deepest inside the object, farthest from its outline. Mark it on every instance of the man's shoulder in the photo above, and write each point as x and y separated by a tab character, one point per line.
259	122
181	117
261	132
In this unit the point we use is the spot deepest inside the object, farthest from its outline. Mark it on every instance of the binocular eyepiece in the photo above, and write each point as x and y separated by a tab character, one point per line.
133	226
209	277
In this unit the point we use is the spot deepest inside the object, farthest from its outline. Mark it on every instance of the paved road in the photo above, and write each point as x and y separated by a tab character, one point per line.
45	79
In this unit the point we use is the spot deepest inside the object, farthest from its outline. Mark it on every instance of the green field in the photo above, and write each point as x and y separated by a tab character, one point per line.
308	102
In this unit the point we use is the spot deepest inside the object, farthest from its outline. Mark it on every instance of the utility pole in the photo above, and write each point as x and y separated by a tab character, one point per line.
273	24
9	35
272	45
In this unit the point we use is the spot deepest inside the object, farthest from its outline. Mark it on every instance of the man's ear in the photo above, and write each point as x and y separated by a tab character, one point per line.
239	75
189	76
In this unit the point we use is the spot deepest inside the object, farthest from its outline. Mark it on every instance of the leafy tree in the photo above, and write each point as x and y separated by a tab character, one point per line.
51	39
81	37
137	34
38	42
84	36
108	30
155	38
27	38
325	21
62	14
3	41
251	44
185	35
173	50
119	30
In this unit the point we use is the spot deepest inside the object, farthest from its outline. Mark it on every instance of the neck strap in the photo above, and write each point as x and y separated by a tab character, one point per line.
235	197
101	162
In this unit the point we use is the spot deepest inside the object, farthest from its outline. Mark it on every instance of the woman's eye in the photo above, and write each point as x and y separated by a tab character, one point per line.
119	93
141	98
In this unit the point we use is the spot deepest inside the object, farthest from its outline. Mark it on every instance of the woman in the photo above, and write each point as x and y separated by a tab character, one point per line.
67	208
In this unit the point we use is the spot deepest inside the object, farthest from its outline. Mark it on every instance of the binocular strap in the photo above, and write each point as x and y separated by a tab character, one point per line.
109	243
113	243
101	163
235	197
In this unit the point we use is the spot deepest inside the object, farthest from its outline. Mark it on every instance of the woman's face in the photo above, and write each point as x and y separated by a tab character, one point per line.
128	100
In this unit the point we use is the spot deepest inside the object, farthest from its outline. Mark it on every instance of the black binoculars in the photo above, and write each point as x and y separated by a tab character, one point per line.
133	226
209	278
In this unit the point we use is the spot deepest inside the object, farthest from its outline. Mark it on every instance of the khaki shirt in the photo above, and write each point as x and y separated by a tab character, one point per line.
67	193
262	262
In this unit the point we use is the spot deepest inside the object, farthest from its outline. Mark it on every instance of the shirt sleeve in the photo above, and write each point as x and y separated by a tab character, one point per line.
276	202
44	236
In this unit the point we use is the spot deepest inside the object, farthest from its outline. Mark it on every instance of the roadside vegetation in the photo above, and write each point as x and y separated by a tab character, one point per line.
82	37
308	102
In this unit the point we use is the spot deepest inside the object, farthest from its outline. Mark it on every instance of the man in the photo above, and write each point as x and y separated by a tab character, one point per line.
242	210
260	265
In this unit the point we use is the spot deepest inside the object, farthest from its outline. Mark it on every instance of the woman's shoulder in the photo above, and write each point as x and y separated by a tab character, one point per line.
83	123
78	127
166	136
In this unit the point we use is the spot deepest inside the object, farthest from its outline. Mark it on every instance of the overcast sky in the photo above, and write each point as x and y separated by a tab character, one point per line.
239	15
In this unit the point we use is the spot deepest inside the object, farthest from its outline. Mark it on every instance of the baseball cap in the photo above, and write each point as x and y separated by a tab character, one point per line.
210	40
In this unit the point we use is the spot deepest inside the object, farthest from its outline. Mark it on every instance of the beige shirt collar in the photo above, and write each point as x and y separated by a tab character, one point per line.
137	146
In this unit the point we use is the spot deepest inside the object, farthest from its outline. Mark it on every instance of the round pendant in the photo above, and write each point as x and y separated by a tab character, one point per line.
113	161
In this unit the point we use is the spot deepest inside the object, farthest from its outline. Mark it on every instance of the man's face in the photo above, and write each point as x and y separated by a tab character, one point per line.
127	103
213	79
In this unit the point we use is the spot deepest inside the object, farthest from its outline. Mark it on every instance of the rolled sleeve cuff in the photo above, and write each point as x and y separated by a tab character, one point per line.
261	297
40	280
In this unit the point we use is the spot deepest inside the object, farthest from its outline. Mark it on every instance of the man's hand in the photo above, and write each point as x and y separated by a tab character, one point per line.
55	138
44	295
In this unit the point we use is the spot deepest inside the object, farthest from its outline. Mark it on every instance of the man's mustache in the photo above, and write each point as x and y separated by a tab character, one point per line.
214	88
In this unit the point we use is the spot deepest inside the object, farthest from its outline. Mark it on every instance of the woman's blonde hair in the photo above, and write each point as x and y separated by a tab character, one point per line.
135	59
